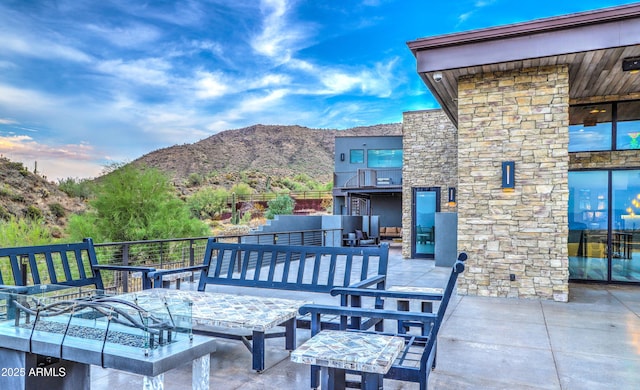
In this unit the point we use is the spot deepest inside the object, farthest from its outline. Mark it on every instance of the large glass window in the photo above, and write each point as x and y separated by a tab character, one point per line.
625	233
384	158
628	126
356	156
590	128
588	222
604	236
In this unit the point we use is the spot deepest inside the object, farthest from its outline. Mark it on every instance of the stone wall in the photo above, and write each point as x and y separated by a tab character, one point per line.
607	159
430	160
521	116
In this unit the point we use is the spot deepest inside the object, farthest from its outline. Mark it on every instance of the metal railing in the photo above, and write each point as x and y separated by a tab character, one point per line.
265	197
183	252
367	178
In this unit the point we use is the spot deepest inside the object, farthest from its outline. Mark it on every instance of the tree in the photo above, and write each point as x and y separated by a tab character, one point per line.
133	203
282	205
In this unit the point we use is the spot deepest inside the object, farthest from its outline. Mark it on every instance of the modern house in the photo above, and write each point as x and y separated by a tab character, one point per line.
539	139
367	178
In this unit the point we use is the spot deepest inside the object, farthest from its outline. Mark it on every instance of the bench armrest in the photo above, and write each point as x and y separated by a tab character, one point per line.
369	292
156	276
345	312
369	281
146	283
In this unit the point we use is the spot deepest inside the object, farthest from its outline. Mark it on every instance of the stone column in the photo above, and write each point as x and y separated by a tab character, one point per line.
430	160
522	116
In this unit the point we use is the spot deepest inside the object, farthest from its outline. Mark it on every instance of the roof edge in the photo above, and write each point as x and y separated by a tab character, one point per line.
561	22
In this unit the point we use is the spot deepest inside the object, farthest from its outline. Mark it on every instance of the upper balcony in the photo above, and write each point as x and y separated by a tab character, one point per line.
368	178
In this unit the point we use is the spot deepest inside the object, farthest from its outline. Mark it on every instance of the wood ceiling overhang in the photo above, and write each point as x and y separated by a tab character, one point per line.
593	45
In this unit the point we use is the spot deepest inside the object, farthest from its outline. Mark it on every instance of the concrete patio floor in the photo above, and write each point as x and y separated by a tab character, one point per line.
592	342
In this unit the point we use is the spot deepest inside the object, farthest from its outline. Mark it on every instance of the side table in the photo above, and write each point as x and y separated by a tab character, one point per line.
337	352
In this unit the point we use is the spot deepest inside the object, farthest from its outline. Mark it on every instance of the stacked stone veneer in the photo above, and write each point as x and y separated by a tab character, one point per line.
430	160
521	116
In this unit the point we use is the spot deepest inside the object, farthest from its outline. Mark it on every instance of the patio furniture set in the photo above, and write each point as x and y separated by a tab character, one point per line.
356	274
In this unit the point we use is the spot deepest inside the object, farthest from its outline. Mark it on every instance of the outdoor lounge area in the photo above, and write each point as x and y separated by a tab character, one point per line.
592	342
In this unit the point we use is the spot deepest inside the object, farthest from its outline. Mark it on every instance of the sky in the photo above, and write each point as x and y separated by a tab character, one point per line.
85	84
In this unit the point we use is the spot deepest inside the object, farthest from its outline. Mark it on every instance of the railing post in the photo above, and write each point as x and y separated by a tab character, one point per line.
125	261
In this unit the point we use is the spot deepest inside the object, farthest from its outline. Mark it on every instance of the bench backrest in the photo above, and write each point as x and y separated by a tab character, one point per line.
63	264
305	268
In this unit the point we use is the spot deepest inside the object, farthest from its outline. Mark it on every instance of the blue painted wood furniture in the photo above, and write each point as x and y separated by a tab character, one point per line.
419	355
73	264
313	269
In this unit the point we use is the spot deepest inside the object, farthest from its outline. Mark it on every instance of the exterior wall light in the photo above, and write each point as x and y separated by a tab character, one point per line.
508	176
341	156
452	196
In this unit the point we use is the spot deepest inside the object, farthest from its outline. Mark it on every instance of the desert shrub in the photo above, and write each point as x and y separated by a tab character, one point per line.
132	203
76	188
4	214
242	189
33	213
207	202
57	210
194	180
23	232
282	205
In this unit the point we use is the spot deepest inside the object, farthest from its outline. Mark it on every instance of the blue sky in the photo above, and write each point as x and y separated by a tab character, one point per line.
84	83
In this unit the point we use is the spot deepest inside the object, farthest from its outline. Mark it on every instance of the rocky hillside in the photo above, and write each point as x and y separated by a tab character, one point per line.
256	155
276	151
23	193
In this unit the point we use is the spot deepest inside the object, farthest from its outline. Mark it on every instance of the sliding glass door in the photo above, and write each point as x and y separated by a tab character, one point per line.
625	230
604	226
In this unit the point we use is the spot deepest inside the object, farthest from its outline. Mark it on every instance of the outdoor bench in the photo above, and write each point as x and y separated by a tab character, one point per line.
73	264
302	269
411	363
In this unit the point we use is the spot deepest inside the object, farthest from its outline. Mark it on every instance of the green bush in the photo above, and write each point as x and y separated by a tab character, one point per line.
76	188
4	214
57	210
33	213
242	189
207	202
23	232
132	203
194	180
282	205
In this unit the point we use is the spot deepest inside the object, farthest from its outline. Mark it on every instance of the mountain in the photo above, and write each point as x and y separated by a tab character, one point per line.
265	150
24	193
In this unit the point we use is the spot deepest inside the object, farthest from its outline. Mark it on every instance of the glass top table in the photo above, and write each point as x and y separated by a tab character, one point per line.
78	327
212	311
249	312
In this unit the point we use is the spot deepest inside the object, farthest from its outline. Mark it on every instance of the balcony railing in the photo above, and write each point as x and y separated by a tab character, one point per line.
369	178
177	253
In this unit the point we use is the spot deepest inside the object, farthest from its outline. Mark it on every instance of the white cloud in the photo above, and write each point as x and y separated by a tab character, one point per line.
150	71
38	47
5	121
211	85
378	81
134	35
263	104
279	37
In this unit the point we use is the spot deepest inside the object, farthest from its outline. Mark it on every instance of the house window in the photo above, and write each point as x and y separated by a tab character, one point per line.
628	126
590	127
356	156
384	158
598	127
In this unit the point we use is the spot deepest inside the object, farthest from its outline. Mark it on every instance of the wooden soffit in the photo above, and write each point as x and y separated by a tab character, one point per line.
593	45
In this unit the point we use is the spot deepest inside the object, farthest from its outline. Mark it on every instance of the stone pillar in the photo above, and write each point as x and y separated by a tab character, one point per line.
522	116
430	160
